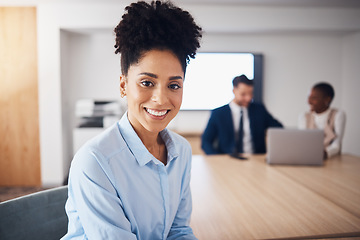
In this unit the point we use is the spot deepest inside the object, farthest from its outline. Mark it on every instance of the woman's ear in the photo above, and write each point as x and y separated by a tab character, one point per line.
122	86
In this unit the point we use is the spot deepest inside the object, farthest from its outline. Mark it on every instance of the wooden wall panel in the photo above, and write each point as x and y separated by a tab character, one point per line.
19	114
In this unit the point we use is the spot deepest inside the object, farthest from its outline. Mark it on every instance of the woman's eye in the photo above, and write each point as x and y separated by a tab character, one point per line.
174	86
147	83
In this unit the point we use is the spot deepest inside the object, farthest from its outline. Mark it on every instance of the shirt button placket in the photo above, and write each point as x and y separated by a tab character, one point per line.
164	181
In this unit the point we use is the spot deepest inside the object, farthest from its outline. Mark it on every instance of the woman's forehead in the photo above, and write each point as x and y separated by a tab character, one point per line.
157	62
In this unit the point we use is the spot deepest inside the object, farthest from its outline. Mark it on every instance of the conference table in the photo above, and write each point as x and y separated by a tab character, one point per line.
250	199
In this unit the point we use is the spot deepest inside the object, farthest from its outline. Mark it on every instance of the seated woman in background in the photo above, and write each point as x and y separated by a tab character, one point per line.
133	180
321	116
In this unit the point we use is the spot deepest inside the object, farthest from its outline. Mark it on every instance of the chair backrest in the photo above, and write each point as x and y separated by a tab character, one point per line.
39	215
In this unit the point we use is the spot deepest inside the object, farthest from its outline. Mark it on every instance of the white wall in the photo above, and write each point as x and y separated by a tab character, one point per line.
50	114
350	92
300	45
66	105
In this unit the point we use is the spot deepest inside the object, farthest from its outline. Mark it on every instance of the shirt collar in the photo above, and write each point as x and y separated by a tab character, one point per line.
236	107
171	147
138	149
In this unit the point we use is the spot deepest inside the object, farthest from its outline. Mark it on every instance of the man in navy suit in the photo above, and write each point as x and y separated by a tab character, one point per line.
240	126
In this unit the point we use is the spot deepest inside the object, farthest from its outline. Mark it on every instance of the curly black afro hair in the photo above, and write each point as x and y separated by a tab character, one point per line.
326	89
158	25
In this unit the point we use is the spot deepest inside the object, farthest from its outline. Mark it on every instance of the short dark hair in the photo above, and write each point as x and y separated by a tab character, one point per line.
242	79
158	25
326	89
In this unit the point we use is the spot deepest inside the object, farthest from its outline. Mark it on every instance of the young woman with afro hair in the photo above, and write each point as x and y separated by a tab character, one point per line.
132	181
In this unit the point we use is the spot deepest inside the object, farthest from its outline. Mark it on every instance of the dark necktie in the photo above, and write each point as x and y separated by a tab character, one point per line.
240	134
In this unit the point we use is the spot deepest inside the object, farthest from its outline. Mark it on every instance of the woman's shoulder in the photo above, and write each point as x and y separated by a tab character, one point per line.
338	111
107	143
96	158
339	114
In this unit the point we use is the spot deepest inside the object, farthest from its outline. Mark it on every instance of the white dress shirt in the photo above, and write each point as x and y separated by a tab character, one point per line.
236	112
320	122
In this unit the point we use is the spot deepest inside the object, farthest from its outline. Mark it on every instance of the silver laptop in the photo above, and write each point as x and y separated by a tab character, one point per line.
295	147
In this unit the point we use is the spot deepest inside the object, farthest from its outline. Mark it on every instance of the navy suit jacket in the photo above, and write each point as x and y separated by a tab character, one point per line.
219	134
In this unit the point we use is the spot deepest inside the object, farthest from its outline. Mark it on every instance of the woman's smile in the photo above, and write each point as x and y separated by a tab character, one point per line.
156	113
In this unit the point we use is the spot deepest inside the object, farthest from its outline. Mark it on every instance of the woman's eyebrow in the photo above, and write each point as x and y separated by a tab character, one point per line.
156	76
149	74
175	78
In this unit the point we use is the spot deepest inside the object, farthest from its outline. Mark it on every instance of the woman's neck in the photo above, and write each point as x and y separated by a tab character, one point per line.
155	145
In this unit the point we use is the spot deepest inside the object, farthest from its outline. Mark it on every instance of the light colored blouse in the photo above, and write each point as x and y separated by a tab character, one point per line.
118	190
321	120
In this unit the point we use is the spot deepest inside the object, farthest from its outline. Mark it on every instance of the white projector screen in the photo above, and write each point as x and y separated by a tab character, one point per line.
208	79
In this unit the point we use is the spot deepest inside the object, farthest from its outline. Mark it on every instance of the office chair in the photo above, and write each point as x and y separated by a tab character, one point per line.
39	215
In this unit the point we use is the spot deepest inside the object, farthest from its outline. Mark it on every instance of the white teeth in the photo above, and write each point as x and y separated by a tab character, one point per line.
156	113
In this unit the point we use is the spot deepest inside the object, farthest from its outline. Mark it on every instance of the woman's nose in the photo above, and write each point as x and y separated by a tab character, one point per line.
159	96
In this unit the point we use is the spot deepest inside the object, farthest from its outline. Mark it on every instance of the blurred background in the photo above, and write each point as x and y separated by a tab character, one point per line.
59	76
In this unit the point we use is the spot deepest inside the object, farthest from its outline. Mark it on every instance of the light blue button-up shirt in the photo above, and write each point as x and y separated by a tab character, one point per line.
119	190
